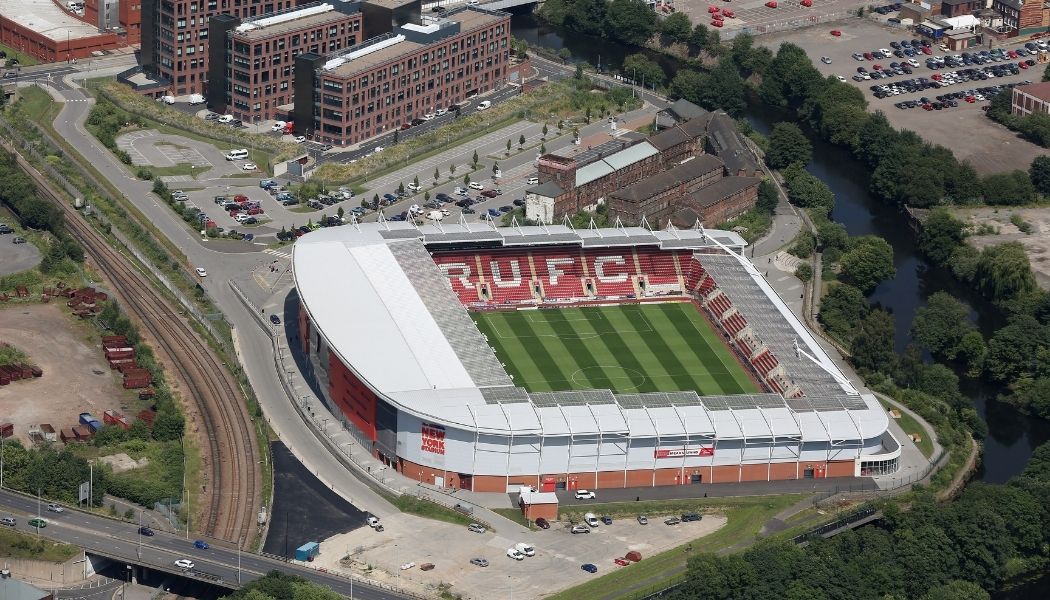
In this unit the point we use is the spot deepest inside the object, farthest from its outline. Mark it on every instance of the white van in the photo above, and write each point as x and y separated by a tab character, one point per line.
590	519
237	154
196	99
525	549
168	99
484	104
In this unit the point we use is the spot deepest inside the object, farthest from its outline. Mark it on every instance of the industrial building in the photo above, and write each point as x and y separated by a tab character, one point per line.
384	322
51	33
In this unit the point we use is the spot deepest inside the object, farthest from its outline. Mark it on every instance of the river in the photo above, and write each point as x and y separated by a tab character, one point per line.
1012	436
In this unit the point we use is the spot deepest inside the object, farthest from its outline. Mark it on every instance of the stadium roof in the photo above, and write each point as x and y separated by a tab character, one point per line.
383	306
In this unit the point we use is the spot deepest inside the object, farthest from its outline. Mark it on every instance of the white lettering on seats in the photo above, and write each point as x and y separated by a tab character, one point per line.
599	269
460	271
552	267
497	277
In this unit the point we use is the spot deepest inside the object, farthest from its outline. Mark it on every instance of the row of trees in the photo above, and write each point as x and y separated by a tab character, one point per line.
628	21
283	586
934	551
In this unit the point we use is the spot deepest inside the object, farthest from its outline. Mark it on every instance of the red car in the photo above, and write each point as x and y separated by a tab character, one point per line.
239	198
728	14
255	211
927	50
927	106
868	56
713	9
876	67
936	77
772	3
806	3
970	99
1023	64
622	562
836	33
717	23
1011	54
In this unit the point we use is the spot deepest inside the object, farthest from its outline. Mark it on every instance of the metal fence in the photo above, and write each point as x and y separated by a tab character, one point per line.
790	24
849	519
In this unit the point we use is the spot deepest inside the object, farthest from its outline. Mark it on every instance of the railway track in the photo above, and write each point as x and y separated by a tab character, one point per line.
231	456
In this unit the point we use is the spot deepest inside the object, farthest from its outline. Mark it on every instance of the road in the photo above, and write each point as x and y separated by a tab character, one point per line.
121	541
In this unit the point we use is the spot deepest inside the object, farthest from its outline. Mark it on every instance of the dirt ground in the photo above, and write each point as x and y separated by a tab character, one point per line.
76	376
556	565
1036	244
973	137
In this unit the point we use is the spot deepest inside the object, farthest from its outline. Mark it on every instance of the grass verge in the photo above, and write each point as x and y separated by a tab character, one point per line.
514	515
745	515
911	426
424	508
24	59
14	544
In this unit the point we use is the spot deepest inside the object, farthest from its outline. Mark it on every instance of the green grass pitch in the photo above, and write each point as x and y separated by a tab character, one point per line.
627	348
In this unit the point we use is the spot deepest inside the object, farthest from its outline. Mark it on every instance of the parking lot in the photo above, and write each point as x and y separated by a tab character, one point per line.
149	148
965	129
556	565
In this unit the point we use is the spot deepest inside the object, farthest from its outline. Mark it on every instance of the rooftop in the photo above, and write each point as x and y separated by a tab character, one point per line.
727	186
547	190
46	18
614	162
370	55
686	110
287	22
661	182
1037	90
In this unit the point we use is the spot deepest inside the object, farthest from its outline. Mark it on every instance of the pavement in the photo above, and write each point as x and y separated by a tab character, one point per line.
15	258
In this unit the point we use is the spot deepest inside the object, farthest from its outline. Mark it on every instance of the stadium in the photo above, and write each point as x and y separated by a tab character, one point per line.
485	358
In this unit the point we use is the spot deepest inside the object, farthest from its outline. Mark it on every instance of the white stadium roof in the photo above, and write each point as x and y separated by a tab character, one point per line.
382	305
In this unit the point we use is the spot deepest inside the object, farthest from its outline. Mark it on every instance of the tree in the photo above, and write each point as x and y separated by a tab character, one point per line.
698	38
639	68
452	169
768	199
957	590
543	149
401	188
474	159
339	213
1018	350
787	144
495	168
1008	188
867	263
1003	271
872	346
509	144
842	309
804	272
941	324
1032	396
831	235
466	179
807	191
630	21
415	181
586	16
426	196
521	142
437	174
1039	173
545	131
1046	73
676	27
941	234
687	84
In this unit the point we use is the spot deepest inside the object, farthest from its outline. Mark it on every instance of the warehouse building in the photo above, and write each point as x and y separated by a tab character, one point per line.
49	33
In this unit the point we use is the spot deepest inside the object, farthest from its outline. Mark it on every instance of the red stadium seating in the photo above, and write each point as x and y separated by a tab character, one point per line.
462	272
560	273
508	276
611	271
658	266
734	324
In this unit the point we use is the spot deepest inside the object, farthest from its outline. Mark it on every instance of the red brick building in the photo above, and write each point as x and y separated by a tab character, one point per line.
255	74
657	197
50	33
1024	17
175	37
128	18
413	69
1030	99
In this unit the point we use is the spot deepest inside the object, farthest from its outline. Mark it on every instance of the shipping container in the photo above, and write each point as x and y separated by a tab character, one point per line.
111	417
68	435
147	393
122	363
114	341
131	368
90	421
7	430
82	433
307	551
147	416
48	432
134	383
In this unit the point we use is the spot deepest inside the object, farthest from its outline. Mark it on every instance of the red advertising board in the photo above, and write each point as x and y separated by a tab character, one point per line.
680	452
433	437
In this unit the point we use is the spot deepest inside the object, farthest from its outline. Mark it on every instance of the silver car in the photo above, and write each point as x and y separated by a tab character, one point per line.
481	562
581	529
476	528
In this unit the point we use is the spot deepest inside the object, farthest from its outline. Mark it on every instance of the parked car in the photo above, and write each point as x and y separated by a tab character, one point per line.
606	519
481	562
580	529
18	240
201	272
671	521
542	523
590	519
489	193
643	520
9	521
275	319
474	185
588	566
513	553
476	528
584	495
691	516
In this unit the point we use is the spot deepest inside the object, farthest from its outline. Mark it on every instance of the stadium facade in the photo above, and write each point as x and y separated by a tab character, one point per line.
384	321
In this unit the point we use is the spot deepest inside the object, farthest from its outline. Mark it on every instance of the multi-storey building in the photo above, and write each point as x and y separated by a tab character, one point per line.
1031	99
417	66
175	37
252	63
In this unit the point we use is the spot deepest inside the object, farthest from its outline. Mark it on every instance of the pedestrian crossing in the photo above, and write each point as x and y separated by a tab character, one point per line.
285	253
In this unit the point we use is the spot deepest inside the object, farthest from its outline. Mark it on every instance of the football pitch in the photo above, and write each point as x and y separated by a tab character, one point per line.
627	348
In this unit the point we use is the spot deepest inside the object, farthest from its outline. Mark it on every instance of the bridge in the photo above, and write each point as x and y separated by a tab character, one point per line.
104	539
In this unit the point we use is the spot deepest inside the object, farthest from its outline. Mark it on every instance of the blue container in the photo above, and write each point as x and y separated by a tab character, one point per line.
307	551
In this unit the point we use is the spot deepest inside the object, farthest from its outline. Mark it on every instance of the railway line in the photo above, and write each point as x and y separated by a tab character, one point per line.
230	454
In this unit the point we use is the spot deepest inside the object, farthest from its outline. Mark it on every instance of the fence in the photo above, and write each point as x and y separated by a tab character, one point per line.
790	24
